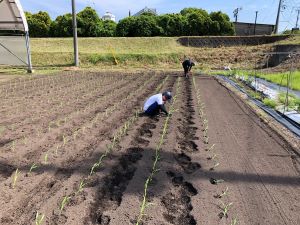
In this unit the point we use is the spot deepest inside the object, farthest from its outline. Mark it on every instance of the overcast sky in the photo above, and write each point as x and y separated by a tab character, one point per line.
267	8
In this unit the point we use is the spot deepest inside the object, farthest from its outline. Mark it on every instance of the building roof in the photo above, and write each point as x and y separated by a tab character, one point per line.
253	23
146	9
12	16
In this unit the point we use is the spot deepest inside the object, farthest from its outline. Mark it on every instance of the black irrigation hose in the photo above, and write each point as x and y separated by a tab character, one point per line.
283	119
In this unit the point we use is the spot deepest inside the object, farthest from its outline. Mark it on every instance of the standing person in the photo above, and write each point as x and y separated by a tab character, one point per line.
156	104
187	66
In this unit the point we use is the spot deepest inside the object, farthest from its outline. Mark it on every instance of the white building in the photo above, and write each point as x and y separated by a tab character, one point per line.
109	16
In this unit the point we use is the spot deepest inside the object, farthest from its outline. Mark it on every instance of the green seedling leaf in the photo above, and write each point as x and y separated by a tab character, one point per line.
224	193
64	202
13	146
15	177
33	166
215	166
65	140
234	221
46	158
81	186
211	147
93	168
24	140
225	208
39	218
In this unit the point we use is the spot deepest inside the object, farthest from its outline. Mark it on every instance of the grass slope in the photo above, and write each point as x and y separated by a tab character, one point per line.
139	52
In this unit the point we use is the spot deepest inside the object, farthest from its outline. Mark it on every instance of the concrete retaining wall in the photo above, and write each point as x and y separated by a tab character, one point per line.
218	41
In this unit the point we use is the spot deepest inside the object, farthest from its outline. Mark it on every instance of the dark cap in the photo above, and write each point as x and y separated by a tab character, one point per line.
168	95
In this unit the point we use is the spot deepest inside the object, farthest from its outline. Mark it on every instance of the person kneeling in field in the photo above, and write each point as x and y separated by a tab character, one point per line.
156	104
187	66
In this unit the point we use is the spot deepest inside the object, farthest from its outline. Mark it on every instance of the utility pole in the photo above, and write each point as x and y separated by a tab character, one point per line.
278	16
236	13
256	12
298	10
76	58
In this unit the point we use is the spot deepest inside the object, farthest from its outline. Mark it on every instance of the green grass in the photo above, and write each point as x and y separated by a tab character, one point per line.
293	40
100	45
269	102
281	79
277	78
162	53
130	52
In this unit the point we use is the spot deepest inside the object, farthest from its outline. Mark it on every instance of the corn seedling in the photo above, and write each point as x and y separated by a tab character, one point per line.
215	166
39	218
33	166
211	147
15	178
65	140
56	150
234	221
24	140
154	167
93	168
13	146
81	186
75	135
225	209
224	193
46	158
64	202
213	156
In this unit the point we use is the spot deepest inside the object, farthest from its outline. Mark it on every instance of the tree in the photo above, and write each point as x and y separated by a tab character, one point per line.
89	23
109	29
224	27
62	26
146	26
39	24
172	24
197	24
125	27
187	11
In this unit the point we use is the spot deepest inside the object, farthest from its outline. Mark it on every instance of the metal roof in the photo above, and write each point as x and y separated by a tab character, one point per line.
12	16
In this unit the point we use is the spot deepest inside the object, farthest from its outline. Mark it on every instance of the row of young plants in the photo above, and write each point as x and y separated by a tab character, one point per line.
64	142
49	112
22	139
57	96
213	156
155	168
30	84
83	128
116	138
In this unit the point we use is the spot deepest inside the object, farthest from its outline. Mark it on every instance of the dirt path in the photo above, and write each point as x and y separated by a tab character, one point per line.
258	169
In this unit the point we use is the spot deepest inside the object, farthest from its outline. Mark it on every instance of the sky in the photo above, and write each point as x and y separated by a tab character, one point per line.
267	9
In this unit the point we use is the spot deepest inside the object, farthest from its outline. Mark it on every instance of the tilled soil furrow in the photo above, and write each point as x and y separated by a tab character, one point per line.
21	128
172	190
143	139
177	201
54	135
72	163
